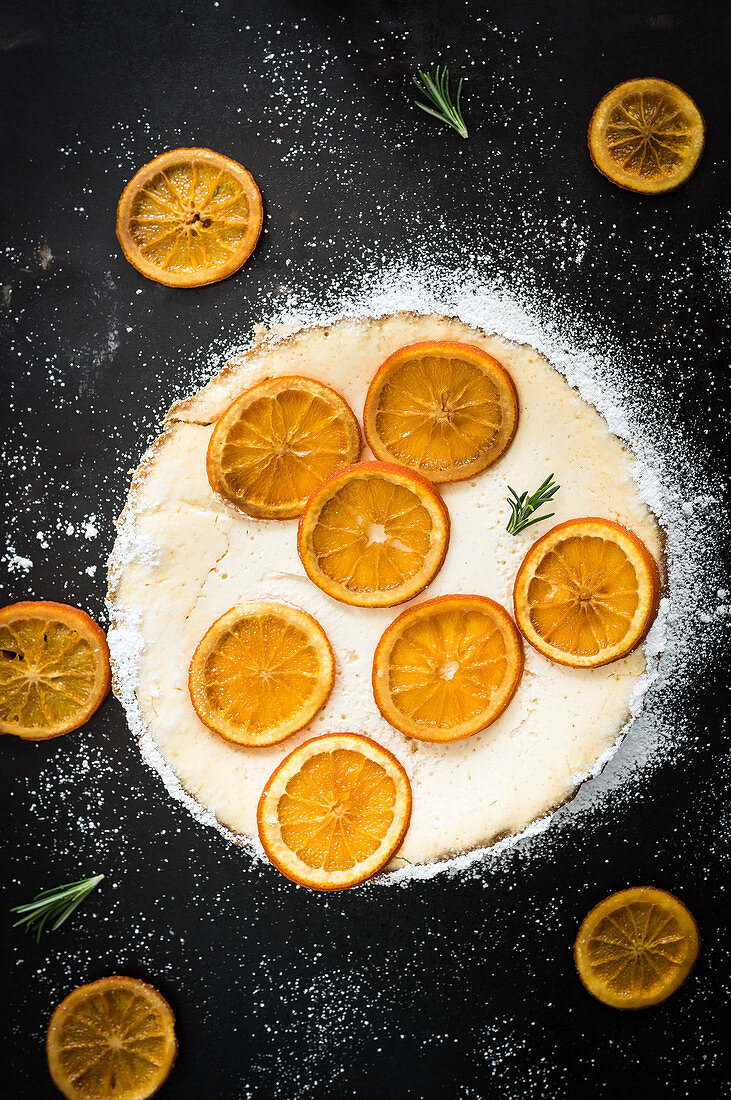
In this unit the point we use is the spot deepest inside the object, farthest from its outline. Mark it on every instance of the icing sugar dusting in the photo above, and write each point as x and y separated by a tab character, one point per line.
415	973
593	365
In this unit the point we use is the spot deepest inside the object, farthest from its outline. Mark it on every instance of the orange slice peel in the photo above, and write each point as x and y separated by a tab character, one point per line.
189	217
447	668
277	443
646	136
334	811
261	672
113	1039
373	535
445	409
636	947
54	669
587	592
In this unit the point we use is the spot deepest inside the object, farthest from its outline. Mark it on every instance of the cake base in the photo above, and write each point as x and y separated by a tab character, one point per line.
184	556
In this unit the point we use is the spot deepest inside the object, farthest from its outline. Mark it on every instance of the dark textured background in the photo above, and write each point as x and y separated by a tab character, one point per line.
451	988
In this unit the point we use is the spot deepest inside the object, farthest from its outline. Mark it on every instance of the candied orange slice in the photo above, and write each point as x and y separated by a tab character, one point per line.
586	593
278	442
111	1040
189	217
647	136
334	811
447	668
446	410
54	669
261	672
636	948
373	535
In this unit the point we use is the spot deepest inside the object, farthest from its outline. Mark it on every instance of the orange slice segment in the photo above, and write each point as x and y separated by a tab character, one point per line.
278	442
586	593
54	669
446	410
647	136
373	535
334	811
189	217
261	672
636	947
447	668
111	1040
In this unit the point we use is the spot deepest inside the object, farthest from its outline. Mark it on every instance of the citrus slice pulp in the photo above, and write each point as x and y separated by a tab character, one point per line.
647	136
54	669
334	811
373	535
447	668
113	1039
587	592
447	410
261	672
278	442
189	217
636	947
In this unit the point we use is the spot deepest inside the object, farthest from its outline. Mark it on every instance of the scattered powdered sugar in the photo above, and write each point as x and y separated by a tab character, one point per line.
665	472
15	562
372	970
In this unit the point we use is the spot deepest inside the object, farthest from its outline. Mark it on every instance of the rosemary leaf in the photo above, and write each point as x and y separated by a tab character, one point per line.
54	905
524	505
435	89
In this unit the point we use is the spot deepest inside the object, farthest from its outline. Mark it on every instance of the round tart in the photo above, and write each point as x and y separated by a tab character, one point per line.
185	556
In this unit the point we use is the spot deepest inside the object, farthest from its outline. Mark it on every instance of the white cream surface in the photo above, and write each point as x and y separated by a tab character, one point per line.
184	557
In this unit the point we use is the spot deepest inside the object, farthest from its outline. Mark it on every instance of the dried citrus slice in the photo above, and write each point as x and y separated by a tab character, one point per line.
446	410
278	442
189	217
261	672
111	1040
334	811
636	947
373	535
447	668
647	136
586	593
54	669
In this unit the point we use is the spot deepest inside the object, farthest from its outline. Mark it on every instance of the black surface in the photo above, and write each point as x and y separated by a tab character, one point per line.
457	987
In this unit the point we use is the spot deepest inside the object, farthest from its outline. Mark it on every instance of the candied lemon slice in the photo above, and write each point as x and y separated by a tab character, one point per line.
587	592
334	811
54	669
447	410
373	535
636	947
189	217
647	136
261	672
447	668
111	1040
277	443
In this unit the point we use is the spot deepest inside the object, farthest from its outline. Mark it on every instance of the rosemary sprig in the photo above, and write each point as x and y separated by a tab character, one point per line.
436	91
54	905
522	507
